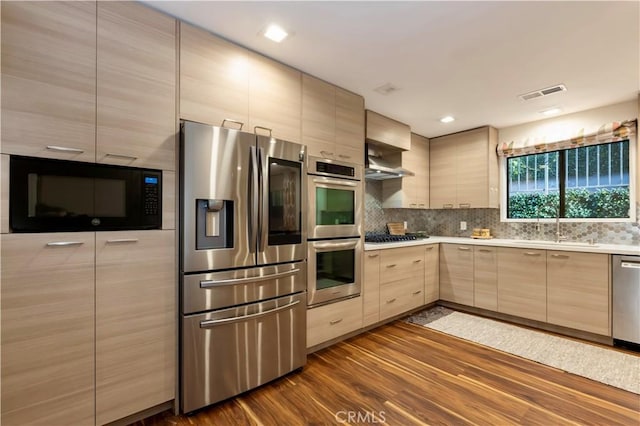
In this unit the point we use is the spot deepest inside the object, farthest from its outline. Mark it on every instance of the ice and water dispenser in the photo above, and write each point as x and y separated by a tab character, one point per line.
214	224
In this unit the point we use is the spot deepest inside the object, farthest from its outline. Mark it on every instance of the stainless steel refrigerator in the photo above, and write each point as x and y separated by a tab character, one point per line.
242	262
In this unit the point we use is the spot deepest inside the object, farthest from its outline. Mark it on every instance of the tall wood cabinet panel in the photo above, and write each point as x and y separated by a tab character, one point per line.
431	273
135	322
214	78
464	170
4	194
136	86
485	278
371	288
47	313
522	283
48	79
456	273
410	191
578	291
275	98
349	126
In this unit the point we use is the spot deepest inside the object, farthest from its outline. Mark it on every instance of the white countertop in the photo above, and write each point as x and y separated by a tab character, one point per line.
531	244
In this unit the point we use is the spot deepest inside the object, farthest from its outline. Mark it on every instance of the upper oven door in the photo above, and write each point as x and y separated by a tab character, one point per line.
335	207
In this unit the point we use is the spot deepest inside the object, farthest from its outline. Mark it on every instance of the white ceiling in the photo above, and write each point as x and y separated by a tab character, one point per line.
466	59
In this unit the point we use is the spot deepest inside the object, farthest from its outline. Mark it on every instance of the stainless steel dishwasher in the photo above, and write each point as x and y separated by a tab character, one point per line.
626	299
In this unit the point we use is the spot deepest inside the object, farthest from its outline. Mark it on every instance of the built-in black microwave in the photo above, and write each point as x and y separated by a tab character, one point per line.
56	195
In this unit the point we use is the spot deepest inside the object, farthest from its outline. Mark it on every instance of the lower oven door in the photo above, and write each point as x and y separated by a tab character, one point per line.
229	351
334	270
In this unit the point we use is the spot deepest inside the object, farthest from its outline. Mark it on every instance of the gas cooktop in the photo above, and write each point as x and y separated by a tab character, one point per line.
387	238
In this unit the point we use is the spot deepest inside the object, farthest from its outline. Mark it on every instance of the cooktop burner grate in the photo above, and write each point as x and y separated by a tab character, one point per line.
387	238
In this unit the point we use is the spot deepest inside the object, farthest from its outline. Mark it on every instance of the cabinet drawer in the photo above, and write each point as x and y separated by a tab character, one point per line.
330	321
401	264
400	296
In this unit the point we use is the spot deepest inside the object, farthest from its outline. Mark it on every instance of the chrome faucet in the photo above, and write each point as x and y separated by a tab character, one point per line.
559	236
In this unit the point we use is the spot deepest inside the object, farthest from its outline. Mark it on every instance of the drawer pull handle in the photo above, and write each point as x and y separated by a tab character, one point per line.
413	205
255	130
334	322
124	157
393	265
531	253
64	149
429	248
225	321
560	256
485	251
373	255
464	248
391	300
415	293
64	243
447	206
417	261
344	156
465	205
326	153
123	241
232	121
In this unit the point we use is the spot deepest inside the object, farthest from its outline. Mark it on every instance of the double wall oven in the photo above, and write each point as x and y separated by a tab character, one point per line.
242	264
334	230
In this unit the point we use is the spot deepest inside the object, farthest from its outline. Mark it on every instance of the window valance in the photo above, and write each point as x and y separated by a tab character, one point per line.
610	132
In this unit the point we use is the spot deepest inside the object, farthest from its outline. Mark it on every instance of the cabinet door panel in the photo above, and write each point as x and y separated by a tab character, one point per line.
48	79
47	317
136	86
349	126
485	278
456	273
431	274
371	288
472	184
399	297
135	322
522	283
214	78
442	174
318	115
334	320
578	291
402	264
275	98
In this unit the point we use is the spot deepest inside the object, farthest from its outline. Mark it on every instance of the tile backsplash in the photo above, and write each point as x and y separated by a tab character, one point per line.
447	223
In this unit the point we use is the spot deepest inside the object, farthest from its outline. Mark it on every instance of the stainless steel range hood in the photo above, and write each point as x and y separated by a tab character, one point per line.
378	168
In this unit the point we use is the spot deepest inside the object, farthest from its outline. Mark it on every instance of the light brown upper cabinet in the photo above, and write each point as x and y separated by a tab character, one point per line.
464	170
387	131
332	121
275	98
214	78
47	319
410	191
136	84
49	79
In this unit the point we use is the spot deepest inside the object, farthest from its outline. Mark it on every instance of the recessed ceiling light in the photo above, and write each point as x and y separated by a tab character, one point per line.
447	119
551	111
276	33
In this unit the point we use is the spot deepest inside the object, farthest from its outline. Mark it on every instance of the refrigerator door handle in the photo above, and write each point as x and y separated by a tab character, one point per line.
213	323
254	200
264	200
217	283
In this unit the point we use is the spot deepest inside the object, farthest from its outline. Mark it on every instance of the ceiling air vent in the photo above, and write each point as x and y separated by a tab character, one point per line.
387	89
543	92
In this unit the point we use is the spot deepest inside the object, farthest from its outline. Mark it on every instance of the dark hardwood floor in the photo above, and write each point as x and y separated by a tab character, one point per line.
405	374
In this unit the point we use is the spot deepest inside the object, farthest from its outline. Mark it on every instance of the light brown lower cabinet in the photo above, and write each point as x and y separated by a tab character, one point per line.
485	277
401	280
522	283
400	296
578	291
88	326
371	288
431	273
333	320
456	273
135	322
47	313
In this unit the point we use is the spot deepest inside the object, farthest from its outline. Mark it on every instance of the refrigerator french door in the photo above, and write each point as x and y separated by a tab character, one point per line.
243	269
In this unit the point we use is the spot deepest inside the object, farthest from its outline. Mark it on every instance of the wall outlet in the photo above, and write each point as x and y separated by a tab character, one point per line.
463	225
405	225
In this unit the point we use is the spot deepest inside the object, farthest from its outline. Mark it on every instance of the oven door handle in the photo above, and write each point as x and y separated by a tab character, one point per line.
216	283
334	246
335	182
225	321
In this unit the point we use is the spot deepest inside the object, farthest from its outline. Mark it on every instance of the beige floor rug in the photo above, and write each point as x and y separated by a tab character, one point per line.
604	365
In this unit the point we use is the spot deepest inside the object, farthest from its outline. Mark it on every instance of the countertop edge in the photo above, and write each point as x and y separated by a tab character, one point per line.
499	242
